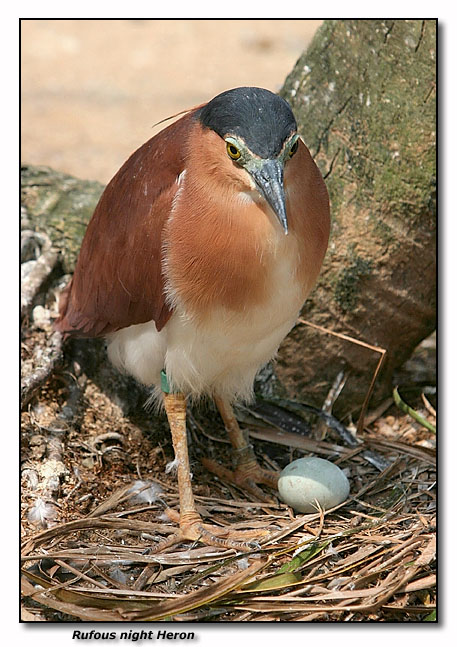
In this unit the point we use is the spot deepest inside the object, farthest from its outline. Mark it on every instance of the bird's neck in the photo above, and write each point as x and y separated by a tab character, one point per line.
223	253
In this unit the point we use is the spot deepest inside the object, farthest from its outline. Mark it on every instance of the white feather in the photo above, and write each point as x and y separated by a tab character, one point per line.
222	354
42	513
145	492
172	467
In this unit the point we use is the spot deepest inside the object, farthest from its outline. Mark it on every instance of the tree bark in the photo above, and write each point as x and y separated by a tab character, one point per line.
59	205
364	98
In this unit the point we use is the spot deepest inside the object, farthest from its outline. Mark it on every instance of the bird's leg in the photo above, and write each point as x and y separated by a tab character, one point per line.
175	406
191	526
247	470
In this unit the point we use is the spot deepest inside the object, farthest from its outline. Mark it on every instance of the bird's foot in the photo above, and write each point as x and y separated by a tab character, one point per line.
192	528
246	476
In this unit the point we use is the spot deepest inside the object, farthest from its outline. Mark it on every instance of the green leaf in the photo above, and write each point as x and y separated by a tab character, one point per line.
410	411
274	582
284	576
303	556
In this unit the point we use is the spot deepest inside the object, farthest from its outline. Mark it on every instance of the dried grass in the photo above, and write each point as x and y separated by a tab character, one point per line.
371	558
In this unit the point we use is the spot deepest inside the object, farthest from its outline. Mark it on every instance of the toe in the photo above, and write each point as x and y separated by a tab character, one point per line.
246	477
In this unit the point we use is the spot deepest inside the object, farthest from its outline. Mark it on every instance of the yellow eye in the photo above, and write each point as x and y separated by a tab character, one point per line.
293	148
233	152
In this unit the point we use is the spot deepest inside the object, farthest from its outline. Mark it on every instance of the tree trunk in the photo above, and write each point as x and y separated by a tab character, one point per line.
364	98
59	205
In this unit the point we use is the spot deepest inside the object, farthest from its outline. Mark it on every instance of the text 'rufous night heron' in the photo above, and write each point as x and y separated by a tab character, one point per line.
196	262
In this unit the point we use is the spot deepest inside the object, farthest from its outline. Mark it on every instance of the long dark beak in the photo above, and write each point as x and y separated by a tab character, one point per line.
269	177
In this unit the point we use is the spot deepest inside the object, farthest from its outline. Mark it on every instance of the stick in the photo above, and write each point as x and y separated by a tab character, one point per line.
377	349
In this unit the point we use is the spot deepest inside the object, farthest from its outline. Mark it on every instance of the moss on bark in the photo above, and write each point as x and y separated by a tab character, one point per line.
364	97
61	206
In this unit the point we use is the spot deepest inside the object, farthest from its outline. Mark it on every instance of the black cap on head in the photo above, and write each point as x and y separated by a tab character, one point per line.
260	117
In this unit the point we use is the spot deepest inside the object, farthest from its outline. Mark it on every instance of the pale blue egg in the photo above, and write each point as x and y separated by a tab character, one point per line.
311	479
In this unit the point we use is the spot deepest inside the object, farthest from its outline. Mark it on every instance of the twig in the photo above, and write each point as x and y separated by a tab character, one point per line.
335	390
428	406
39	272
377	349
50	358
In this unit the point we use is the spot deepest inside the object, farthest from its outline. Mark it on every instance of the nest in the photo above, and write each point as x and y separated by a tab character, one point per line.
371	558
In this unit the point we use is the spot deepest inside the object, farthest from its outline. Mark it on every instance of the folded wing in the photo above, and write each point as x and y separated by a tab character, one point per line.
118	279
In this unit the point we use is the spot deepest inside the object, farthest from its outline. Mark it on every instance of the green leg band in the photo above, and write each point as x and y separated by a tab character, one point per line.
164	382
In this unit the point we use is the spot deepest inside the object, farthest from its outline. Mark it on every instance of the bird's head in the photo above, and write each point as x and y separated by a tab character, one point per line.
257	135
